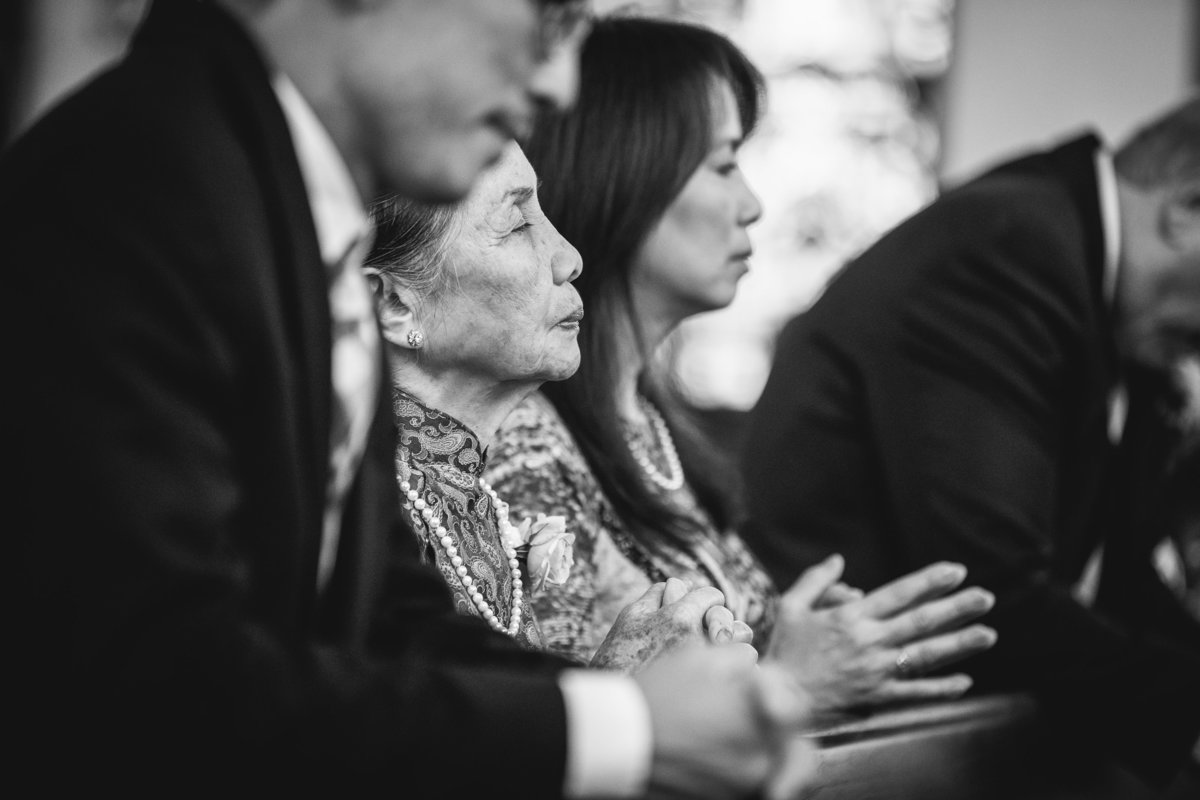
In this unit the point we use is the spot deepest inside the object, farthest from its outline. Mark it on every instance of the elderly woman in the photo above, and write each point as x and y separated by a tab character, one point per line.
477	309
642	176
477	306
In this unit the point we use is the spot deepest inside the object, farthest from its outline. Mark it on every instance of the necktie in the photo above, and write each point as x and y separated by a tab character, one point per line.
355	377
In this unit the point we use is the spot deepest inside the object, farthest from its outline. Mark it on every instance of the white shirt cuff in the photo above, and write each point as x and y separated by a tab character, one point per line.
610	741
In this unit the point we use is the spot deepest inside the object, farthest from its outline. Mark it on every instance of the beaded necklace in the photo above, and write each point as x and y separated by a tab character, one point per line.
672	481
424	515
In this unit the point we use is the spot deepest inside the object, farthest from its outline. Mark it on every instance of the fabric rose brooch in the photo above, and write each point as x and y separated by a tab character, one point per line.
547	548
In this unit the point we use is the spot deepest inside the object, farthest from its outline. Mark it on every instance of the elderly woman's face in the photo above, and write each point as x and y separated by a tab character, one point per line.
508	311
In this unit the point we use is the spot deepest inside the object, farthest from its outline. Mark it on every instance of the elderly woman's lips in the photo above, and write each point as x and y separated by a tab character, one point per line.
572	318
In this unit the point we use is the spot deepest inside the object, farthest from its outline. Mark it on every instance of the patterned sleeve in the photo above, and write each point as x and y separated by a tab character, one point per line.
535	466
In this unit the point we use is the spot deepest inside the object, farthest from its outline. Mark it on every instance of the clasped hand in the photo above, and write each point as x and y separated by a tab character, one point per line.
666	616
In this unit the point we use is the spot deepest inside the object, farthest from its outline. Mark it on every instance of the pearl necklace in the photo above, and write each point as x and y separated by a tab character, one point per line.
421	512
672	481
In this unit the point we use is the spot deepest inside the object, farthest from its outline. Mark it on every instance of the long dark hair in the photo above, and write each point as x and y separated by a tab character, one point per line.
609	169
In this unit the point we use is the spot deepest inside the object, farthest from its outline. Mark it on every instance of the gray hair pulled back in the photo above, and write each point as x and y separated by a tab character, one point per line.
411	244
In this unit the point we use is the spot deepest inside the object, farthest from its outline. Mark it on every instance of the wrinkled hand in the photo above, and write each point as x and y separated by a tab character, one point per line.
848	656
719	623
664	617
724	727
722	628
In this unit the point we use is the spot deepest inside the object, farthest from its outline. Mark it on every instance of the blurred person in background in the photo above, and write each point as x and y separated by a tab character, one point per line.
979	386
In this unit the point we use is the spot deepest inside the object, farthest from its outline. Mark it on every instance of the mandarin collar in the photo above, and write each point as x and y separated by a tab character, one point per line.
431	436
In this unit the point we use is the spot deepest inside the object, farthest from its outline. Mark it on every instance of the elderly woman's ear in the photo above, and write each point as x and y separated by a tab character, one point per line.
396	304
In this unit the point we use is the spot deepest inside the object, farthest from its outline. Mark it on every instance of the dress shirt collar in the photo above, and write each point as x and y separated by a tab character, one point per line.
336	205
1110	221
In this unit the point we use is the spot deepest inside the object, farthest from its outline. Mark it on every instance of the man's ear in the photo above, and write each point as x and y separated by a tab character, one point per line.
1180	217
396	305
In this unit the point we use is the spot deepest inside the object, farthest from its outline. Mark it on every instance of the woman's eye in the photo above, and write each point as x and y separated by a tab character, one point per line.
522	225
727	168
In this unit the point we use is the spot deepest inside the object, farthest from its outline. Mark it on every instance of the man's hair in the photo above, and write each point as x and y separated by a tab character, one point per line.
1165	151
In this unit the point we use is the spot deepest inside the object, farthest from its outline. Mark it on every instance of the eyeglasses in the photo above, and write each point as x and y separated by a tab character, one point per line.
561	24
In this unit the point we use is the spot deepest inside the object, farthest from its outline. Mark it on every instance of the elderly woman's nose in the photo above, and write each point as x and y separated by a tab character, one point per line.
566	263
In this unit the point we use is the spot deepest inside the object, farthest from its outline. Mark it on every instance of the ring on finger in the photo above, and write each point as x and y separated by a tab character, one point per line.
904	665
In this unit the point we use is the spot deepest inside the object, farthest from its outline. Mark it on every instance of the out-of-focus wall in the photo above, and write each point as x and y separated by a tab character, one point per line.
1027	71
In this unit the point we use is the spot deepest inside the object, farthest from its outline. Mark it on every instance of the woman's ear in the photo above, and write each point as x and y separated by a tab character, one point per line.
396	305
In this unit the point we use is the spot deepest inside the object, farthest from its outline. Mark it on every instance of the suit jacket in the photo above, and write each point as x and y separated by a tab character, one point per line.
167	312
946	398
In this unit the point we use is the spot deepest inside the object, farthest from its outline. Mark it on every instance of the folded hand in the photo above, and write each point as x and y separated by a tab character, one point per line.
664	617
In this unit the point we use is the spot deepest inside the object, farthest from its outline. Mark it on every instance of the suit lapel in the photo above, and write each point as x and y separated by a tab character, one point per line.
243	79
1092	366
1075	162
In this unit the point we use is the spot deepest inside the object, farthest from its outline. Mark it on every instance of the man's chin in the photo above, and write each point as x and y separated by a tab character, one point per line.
442	191
449	184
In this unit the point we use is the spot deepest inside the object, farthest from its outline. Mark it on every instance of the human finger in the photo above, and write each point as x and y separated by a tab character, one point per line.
736	658
942	687
781	699
696	603
742	632
838	595
931	581
796	765
937	615
746	652
718	624
674	590
812	583
652	597
788	710
938	651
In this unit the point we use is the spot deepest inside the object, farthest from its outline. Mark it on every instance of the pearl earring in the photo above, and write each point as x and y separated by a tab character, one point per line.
416	339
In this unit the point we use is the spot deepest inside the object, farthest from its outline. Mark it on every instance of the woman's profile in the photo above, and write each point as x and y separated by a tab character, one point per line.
642	177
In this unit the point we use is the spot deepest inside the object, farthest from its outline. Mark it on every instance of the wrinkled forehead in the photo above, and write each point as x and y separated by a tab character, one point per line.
509	181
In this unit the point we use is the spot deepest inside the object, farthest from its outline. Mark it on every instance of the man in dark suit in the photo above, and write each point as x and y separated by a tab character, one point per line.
213	588
955	393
